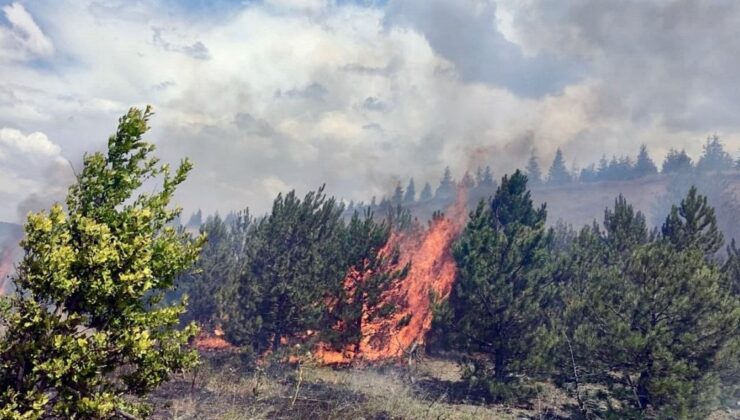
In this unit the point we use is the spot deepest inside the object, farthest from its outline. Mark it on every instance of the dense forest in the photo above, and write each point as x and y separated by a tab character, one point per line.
627	317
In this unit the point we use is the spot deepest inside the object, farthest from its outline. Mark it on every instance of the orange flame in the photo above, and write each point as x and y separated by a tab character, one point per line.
432	270
212	342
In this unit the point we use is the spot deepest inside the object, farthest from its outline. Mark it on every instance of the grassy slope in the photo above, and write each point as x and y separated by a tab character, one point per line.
432	390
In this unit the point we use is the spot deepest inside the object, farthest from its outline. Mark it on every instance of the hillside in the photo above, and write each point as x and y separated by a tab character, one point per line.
579	204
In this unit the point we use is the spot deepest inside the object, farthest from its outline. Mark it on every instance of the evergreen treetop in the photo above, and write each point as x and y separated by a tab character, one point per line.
558	174
410	195
534	174
644	165
693	224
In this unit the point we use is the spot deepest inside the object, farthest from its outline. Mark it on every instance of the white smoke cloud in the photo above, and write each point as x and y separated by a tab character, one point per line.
22	39
294	94
33	173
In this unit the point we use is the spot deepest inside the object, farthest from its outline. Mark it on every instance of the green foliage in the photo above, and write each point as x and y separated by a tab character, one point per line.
502	284
732	267
410	194
714	157
693	224
296	257
294	270
372	270
210	284
624	228
677	162
644	165
426	192
534	174
651	319
446	189
88	327
716	187
653	328
397	198
558	174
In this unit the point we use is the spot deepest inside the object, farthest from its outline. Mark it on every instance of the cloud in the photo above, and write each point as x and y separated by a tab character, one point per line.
275	95
311	6
314	91
676	61
466	33
22	39
196	50
32	170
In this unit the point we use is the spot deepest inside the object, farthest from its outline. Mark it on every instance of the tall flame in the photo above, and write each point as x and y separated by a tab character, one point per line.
432	270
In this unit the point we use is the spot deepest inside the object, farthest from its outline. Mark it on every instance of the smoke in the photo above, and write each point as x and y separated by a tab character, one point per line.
33	173
53	183
360	95
10	235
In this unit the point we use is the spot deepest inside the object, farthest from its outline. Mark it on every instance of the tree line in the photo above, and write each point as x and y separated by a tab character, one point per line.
481	184
632	321
277	277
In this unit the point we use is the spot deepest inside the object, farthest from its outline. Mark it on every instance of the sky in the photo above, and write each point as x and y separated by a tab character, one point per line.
268	96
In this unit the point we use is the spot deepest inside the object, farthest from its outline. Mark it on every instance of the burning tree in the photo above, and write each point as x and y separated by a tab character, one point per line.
88	326
374	266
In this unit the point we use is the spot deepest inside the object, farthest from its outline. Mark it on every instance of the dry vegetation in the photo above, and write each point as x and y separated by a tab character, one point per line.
220	389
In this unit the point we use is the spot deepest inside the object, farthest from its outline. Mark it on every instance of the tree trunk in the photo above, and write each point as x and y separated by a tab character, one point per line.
499	361
643	393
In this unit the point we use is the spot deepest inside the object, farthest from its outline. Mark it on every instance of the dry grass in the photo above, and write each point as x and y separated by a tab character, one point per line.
221	389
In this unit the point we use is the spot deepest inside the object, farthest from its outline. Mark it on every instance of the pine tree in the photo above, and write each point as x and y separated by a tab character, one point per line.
677	162
624	227
625	169
195	220
653	329
446	189
652	324
603	170
211	282
644	166
296	256
88	332
487	181
693	224
715	186
534	175
501	286
410	195
372	271
732	267
589	174
714	157
397	195
426	192
558	174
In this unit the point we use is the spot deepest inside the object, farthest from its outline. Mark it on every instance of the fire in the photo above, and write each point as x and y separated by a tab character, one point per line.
212	342
432	270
